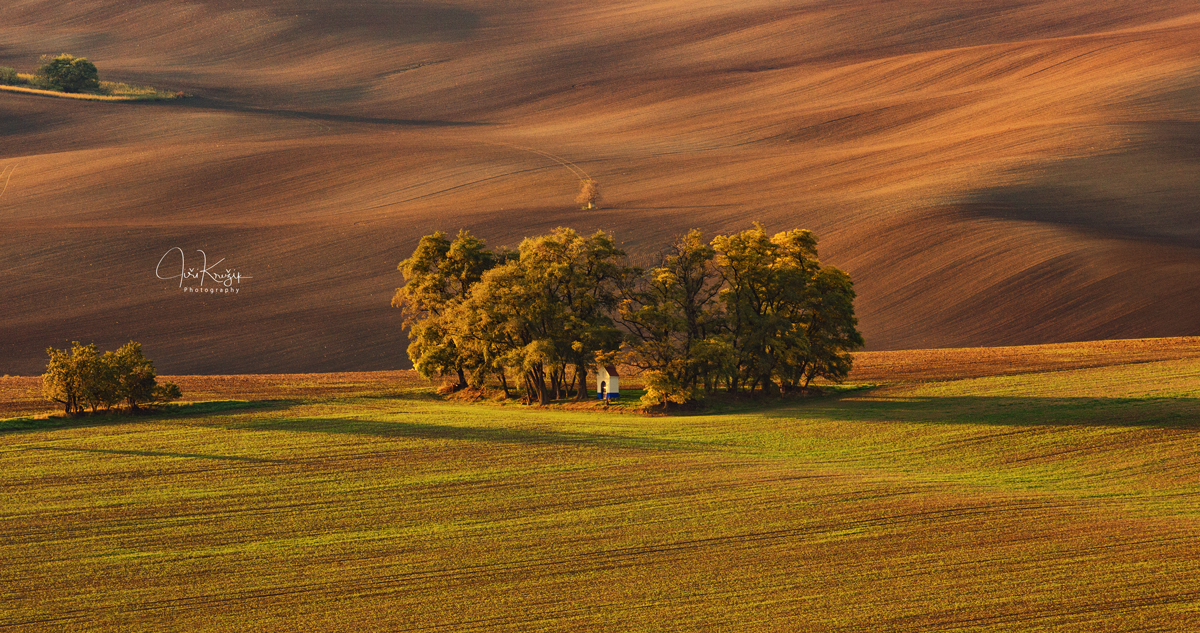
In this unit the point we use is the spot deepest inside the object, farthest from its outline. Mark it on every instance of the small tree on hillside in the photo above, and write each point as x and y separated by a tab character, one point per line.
589	194
69	73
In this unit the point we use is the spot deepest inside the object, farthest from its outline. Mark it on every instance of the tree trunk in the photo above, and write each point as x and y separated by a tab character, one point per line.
563	385
581	375
537	382
543	392
556	382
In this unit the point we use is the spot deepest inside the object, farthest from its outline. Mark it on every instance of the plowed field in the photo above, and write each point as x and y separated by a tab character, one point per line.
988	172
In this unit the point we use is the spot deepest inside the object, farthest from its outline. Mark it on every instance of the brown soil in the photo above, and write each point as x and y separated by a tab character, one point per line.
989	173
949	364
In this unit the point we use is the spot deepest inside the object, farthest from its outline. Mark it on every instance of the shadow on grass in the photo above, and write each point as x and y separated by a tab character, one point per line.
420	394
1152	412
722	403
106	451
505	435
195	409
212	407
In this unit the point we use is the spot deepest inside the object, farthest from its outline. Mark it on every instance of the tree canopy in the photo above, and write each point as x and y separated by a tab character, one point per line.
751	312
68	73
438	277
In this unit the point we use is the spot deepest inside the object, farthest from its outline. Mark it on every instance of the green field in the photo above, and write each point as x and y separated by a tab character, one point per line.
1063	498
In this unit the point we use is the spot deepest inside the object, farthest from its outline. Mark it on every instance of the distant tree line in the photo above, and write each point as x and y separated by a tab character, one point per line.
749	313
83	377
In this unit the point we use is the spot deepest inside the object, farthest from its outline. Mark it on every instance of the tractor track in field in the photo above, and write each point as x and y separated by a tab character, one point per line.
6	176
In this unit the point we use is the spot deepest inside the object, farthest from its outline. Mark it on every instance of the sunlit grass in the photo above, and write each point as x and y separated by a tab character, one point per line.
136	93
1057	500
108	91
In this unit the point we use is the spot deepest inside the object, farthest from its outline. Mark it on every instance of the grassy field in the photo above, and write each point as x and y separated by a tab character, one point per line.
109	91
1053	488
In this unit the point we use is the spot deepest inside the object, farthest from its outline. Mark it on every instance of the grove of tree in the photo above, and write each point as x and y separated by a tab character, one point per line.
748	312
83	377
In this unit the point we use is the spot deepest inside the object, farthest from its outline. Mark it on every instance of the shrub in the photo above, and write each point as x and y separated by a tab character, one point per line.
662	390
82	377
69	73
8	76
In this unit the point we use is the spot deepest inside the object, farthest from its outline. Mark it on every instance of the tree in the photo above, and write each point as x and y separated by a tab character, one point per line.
134	376
831	329
789	318
548	310
67	377
756	295
672	321
508	317
589	194
587	274
68	73
83	377
438	276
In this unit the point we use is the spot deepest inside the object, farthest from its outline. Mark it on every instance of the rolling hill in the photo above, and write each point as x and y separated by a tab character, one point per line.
990	173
